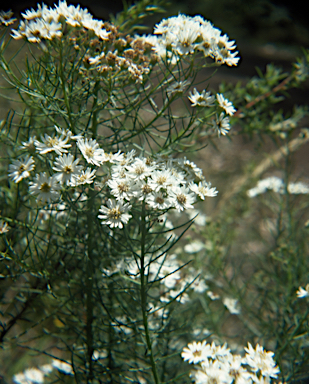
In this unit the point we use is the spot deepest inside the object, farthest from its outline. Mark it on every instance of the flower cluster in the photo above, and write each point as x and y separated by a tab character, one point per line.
162	183
37	375
218	365
184	35
107	50
47	23
277	185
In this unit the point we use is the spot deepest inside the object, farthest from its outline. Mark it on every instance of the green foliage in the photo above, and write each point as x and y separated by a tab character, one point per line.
104	265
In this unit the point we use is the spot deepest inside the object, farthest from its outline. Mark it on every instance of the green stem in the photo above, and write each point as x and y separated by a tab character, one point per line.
89	287
144	297
95	111
65	95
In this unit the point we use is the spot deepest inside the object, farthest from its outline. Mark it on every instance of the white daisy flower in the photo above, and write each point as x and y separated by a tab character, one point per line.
55	143
29	145
114	158
121	188
115	214
32	14
142	189
203	189
63	367
204	99
224	56
212	372
232	305
139	169
226	104
303	292
179	295
195	352
85	177
199	286
91	151
216	351
162	179
21	169
176	87
260	360
34	375
66	132
222	124
45	187
158	200
184	42
191	168
181	198
66	167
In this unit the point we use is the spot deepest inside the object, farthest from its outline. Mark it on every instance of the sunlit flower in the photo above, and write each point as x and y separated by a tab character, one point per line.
184	42
121	188
21	169
66	167
232	305
211	373
19	378
63	367
177	87
158	200
222	124
203	189
91	151
194	352
162	179
204	99
34	375
303	292
115	214
84	177
139	169
59	144
45	187
181	198
29	145
260	360
226	104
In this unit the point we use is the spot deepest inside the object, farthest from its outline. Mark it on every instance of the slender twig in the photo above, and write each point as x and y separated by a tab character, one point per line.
281	86
143	286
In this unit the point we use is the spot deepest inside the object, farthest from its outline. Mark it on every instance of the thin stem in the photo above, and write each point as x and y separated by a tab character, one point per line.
89	287
95	111
144	296
63	83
